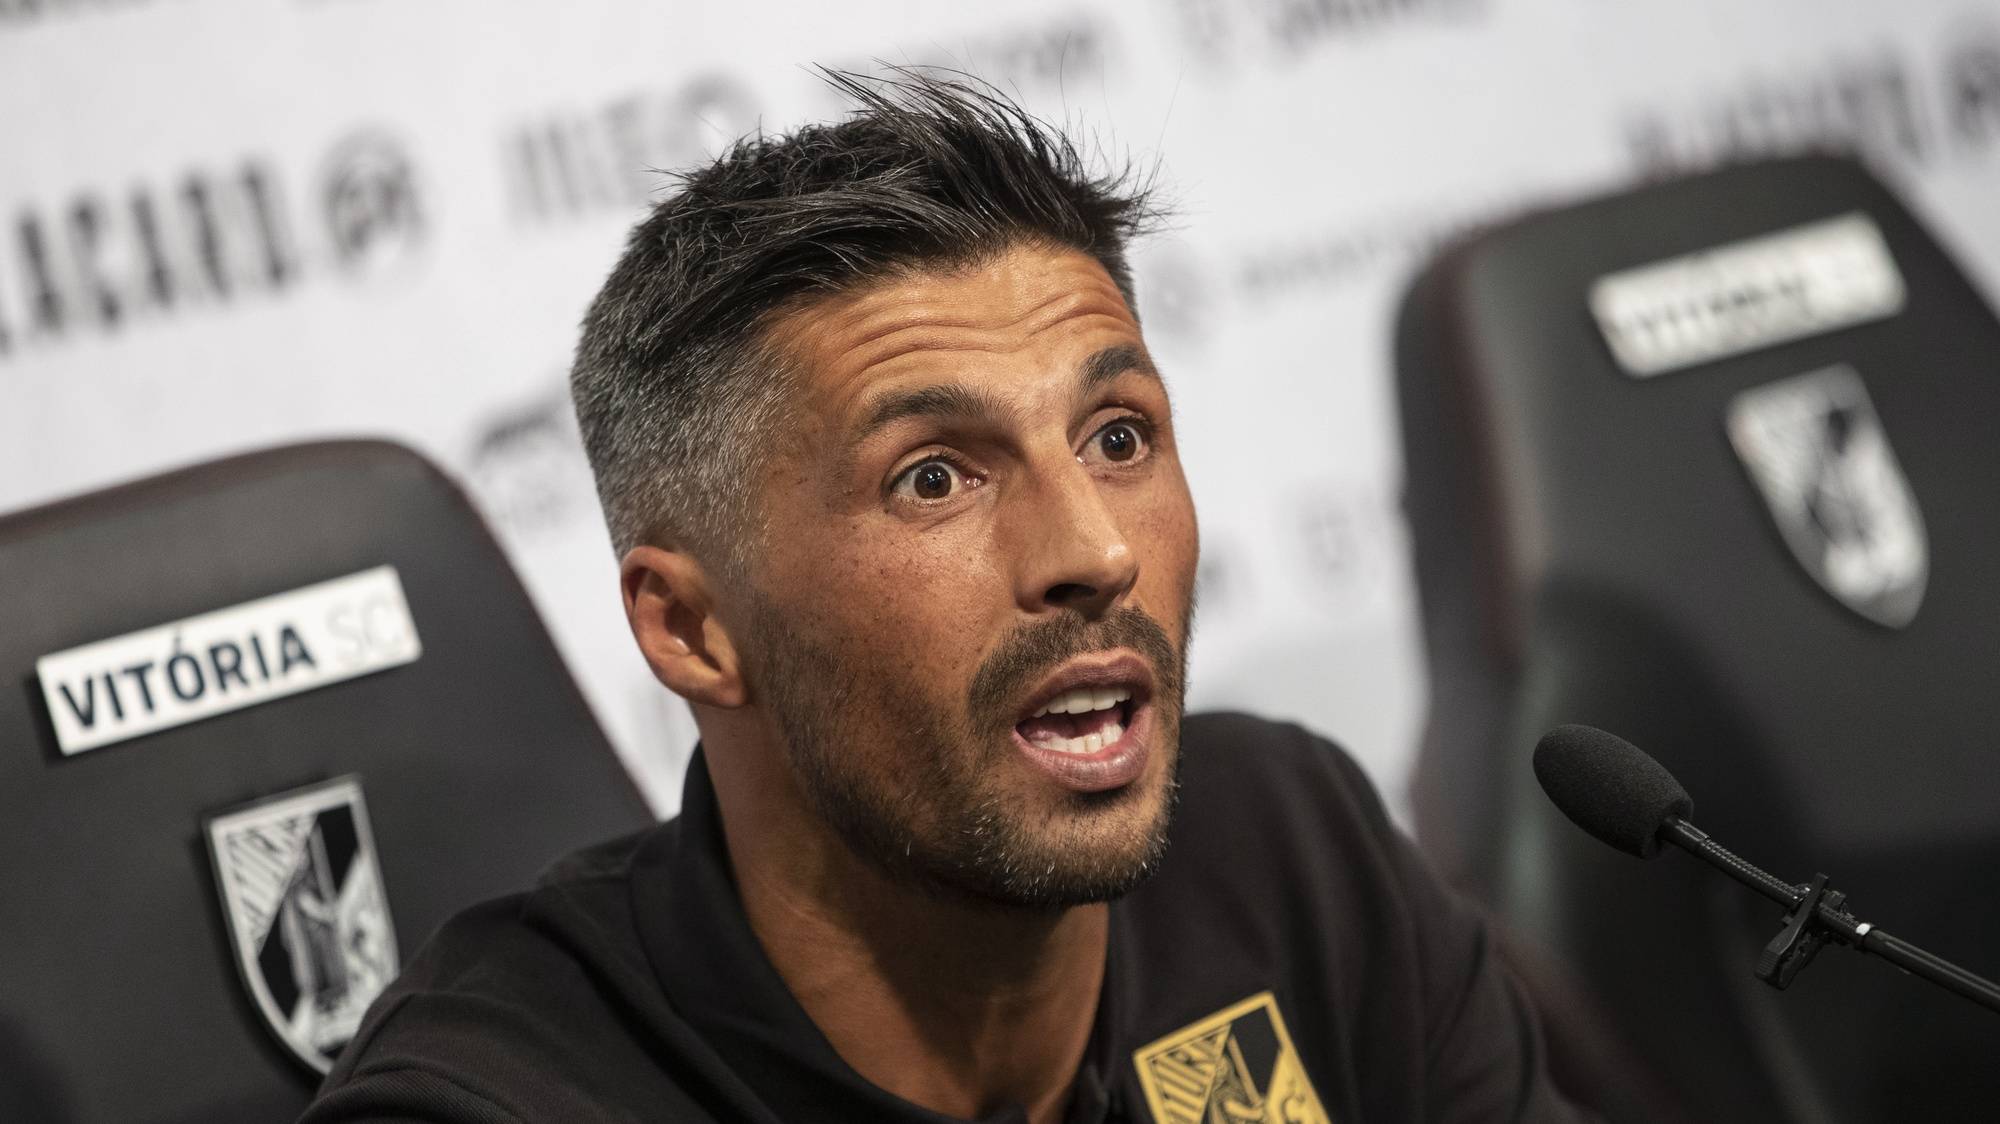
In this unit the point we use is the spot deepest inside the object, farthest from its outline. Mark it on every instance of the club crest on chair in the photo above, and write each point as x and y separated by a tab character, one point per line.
1817	451
308	919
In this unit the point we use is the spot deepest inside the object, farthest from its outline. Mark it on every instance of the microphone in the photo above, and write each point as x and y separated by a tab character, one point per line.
1612	789
1609	787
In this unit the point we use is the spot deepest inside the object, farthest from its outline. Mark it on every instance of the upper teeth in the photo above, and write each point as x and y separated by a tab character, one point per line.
1085	699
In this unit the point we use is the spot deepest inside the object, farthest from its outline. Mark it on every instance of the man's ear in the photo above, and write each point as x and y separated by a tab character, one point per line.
671	610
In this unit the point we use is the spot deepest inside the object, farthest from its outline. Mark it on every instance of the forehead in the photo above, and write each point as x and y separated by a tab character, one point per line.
1028	310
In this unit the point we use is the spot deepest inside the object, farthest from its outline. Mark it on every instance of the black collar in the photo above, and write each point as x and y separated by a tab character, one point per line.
713	971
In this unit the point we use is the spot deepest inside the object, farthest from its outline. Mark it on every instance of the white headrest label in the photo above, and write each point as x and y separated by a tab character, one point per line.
1736	298
176	673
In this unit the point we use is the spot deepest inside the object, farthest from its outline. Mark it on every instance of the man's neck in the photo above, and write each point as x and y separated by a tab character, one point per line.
958	1006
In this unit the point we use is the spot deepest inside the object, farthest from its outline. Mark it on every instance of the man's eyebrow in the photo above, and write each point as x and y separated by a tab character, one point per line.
953	400
1111	362
943	400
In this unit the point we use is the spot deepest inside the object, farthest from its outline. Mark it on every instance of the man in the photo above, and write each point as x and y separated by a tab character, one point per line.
901	514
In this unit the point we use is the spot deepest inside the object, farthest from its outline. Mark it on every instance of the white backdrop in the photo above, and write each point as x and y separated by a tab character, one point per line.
226	224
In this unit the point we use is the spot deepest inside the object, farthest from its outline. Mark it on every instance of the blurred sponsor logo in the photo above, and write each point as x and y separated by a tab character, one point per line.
1176	297
368	195
1876	102
1184	298
617	156
1067	49
1367	247
1222	31
528	467
102	259
612	156
16	12
1350	544
1216	580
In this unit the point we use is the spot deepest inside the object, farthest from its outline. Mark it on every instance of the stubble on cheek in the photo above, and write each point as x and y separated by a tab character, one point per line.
910	764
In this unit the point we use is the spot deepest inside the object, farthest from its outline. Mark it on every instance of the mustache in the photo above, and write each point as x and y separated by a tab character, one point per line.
1033	650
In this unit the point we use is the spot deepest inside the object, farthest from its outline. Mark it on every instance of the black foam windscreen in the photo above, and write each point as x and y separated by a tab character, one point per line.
1609	787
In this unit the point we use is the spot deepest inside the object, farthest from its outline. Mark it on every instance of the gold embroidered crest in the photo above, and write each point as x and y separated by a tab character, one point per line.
1233	1067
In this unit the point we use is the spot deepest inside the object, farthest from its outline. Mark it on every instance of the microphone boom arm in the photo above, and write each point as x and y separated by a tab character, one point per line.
1814	916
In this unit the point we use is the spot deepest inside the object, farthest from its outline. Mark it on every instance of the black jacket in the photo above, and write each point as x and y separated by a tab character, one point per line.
1293	955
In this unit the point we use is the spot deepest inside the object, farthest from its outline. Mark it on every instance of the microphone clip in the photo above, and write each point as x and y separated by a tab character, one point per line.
1802	937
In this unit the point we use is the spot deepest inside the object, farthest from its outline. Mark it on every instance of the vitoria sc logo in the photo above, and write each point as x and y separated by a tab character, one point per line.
308	918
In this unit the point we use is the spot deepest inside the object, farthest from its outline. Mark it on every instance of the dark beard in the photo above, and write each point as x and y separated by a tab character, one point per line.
941	829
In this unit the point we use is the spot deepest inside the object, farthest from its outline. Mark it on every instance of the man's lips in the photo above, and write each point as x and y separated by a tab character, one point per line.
1090	725
1101	671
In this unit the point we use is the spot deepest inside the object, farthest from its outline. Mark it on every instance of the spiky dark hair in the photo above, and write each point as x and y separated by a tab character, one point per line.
675	376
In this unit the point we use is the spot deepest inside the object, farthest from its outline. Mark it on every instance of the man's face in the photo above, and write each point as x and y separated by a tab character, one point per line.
971	603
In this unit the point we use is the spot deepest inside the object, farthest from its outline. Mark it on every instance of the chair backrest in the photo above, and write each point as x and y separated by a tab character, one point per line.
1712	464
174	945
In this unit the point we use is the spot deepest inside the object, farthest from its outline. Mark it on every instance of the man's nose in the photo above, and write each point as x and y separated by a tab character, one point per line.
1074	554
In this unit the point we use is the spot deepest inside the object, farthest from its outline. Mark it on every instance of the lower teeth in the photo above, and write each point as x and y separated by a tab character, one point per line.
1090	743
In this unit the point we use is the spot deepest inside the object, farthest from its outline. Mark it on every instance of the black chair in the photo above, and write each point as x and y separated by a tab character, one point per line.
122	996
1597	541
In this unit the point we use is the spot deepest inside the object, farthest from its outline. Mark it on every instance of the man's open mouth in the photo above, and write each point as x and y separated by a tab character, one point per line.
1089	726
1080	720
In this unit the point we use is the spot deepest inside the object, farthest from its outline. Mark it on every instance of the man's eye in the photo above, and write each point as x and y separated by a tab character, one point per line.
1118	442
929	480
